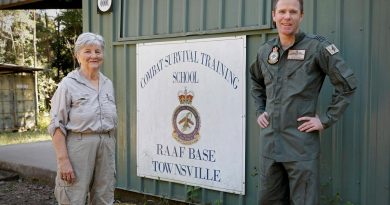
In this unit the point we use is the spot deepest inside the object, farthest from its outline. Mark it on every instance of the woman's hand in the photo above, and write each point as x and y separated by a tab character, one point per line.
66	170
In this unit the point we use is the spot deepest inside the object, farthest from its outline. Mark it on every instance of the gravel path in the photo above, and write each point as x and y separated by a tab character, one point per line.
27	192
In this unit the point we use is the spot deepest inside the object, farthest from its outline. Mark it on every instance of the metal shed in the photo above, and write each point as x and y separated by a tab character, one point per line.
355	160
18	106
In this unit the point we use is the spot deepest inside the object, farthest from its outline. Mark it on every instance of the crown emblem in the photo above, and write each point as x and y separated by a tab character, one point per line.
185	97
185	119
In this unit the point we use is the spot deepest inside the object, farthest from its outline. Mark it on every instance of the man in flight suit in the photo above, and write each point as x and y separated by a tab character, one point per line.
287	78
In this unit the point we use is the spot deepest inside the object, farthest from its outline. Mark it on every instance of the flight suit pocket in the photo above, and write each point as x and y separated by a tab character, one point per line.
351	80
345	76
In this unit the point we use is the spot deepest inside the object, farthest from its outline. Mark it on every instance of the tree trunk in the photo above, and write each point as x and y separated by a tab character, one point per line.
13	43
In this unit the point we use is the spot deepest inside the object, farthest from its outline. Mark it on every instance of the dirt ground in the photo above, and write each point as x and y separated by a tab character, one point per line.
15	190
32	192
23	191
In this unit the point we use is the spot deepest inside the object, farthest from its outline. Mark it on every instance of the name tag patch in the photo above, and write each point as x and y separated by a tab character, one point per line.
296	54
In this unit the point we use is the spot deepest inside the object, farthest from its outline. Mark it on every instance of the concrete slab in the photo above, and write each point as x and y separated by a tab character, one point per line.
34	160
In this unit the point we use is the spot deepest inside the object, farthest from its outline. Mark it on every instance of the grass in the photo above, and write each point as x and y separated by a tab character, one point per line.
7	138
40	134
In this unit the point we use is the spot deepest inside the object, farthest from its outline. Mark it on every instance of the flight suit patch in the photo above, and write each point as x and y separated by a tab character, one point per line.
273	57
296	54
332	49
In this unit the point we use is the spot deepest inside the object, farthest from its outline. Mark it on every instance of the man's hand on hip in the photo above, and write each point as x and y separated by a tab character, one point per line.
311	124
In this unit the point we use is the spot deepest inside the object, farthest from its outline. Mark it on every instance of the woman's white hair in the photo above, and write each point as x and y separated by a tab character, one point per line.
88	38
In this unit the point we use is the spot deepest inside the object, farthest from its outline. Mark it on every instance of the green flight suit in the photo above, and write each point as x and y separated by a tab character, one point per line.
287	88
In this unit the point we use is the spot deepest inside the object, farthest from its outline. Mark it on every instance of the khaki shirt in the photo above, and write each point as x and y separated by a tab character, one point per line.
289	89
76	106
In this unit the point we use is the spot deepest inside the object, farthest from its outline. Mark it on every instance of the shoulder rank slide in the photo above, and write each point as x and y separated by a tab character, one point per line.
332	49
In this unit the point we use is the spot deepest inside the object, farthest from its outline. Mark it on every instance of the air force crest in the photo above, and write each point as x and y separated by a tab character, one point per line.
186	120
273	57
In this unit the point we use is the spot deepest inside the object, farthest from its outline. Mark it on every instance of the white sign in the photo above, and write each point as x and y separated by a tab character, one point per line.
191	112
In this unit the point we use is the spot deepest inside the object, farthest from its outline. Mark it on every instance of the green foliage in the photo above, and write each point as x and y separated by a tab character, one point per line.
160	201
43	121
218	202
194	194
69	23
63	61
327	196
55	38
336	200
16	33
47	87
46	33
72	24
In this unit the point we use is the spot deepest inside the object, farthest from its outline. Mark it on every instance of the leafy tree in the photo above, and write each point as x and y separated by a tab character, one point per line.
69	26
47	87
46	33
16	35
55	38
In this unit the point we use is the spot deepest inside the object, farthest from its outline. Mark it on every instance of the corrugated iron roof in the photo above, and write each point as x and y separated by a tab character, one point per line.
13	3
6	68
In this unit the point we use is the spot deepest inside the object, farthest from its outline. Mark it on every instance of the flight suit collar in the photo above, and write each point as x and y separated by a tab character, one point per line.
298	37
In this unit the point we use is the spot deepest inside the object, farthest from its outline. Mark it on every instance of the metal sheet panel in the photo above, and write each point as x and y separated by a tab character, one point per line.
171	18
377	136
354	165
17	101
6	121
355	159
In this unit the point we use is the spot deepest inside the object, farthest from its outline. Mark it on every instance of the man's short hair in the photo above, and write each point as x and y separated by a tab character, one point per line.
274	2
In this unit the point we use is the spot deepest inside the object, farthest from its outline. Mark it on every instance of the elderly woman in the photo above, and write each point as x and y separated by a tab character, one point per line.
83	118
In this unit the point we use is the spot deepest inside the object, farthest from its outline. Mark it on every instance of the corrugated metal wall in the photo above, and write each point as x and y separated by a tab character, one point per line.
17	101
355	152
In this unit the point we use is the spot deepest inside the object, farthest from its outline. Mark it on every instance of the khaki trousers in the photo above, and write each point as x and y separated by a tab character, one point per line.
93	159
289	183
